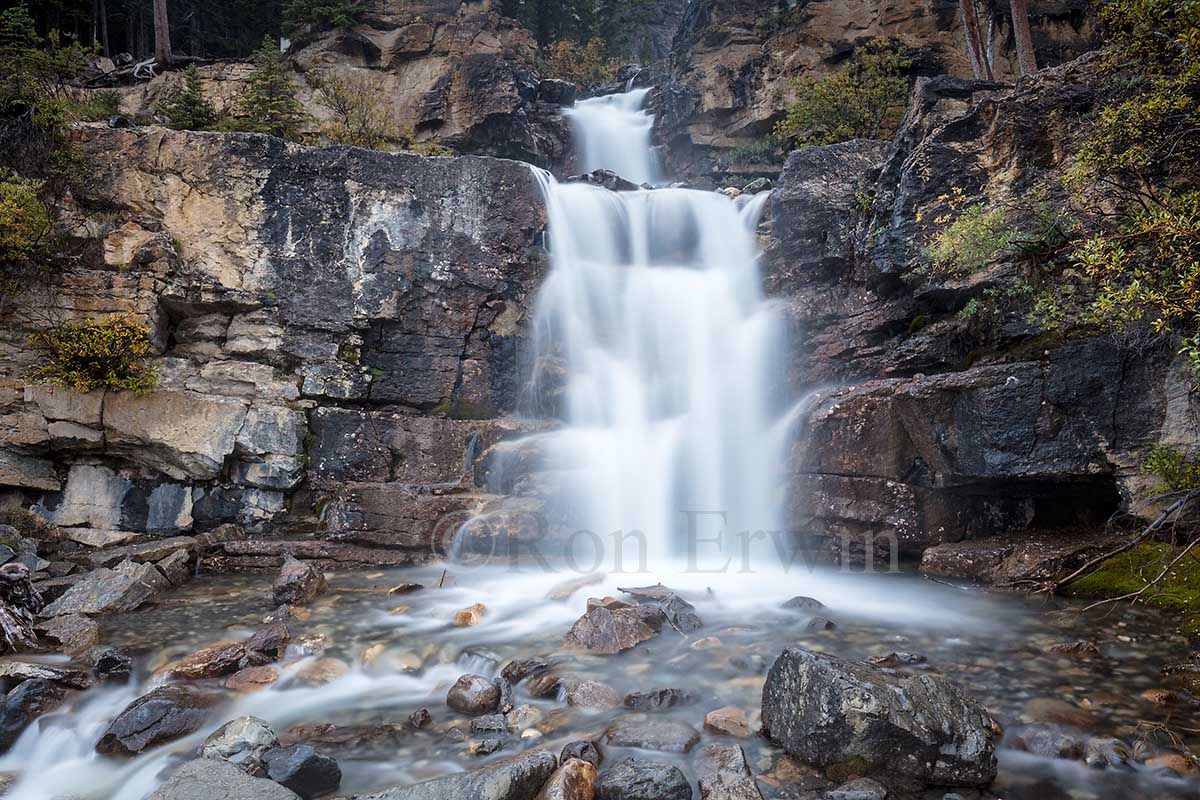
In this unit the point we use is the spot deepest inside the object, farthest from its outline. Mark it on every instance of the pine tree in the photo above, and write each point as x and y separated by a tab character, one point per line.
269	104
186	107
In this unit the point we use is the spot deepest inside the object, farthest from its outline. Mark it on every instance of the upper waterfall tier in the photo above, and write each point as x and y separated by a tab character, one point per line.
613	132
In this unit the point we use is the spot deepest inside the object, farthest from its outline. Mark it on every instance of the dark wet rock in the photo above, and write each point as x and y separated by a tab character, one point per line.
604	178
820	624
241	741
505	690
544	685
489	723
303	769
1080	649
268	643
252	679
104	591
592	694
641	779
897	659
802	603
486	746
72	633
299	583
860	789
605	629
679	613
516	671
164	714
517	778
420	718
109	663
473	694
178	567
556	92
757	185
15	672
725	775
917	729
28	701
654	733
660	699
583	749
215	779
1106	753
455	735
214	661
1045	741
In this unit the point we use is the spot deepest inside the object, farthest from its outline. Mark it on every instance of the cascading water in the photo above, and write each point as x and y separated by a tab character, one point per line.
654	311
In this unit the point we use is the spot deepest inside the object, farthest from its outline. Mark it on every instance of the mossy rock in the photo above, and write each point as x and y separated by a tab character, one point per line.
848	770
1129	572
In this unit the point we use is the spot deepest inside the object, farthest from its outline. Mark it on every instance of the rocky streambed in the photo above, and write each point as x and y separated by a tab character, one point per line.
507	681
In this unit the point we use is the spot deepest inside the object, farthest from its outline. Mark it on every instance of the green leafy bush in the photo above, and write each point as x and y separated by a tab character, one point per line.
1176	471
269	103
970	236
92	355
359	113
864	99
757	151
185	107
24	219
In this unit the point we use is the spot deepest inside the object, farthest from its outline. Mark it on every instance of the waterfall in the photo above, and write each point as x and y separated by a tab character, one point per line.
654	311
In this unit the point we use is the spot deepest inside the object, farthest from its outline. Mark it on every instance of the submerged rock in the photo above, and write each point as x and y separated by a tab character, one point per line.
298	583
163	715
592	694
725	775
670	736
302	769
728	720
917	730
517	778
641	779
214	779
473	694
660	699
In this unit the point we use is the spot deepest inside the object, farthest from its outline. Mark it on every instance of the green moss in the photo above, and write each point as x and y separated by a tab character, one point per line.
918	322
27	523
848	770
1129	572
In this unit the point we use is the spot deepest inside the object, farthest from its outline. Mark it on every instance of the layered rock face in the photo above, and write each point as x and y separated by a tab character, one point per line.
449	71
313	309
930	431
734	60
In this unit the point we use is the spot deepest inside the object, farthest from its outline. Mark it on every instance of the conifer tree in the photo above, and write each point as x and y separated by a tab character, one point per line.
186	107
269	104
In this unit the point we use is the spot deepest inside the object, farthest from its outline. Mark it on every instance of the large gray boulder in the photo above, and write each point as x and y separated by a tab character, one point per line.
105	591
516	778
214	779
906	730
165	714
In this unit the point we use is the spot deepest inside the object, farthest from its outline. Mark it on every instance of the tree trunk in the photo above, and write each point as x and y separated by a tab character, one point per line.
1024	40
162	33
980	68
102	21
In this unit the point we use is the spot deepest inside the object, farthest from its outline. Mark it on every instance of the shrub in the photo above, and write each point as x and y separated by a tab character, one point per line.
360	117
428	149
757	151
98	106
864	99
300	16
269	104
24	220
971	236
1176	472
91	355
185	107
583	65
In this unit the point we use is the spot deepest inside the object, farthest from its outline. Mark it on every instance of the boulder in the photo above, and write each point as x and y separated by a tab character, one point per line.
919	730
610	629
241	741
725	775
163	715
641	779
654	733
574	780
302	769
105	591
215	779
221	658
517	778
298	583
73	633
268	643
473	694
28	701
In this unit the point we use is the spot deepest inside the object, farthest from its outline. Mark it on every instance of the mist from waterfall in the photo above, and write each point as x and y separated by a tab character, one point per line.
654	311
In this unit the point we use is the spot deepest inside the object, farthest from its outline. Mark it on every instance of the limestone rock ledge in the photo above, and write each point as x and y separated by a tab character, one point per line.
319	314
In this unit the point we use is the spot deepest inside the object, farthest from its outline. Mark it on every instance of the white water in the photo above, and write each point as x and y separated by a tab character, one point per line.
613	132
